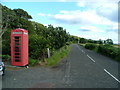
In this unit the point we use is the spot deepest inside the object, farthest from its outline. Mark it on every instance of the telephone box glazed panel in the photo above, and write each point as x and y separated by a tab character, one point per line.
19	47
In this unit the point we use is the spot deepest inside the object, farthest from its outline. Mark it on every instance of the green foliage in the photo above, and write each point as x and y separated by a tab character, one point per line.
40	36
73	39
36	44
5	57
100	41
33	62
82	40
89	41
109	51
6	43
90	46
58	55
21	13
108	41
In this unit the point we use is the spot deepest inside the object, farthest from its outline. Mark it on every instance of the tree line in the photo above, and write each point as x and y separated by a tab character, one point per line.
107	41
40	36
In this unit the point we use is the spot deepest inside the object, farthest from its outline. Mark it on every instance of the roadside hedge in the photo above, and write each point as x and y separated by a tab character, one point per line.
90	46
5	57
107	50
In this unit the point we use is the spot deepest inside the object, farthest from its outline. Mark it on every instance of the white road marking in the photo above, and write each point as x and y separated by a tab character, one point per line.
91	58
83	51
111	75
104	69
80	49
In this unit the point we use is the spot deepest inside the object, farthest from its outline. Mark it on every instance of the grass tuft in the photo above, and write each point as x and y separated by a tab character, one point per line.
58	56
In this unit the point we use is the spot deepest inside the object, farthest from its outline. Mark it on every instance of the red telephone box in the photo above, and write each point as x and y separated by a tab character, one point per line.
19	47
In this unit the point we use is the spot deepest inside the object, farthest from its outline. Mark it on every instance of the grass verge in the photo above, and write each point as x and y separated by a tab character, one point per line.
106	50
33	62
58	56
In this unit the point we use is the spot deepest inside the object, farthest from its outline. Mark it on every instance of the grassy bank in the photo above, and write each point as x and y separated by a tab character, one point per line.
54	59
106	50
58	56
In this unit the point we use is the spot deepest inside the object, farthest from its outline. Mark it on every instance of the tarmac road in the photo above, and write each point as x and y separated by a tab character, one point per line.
82	68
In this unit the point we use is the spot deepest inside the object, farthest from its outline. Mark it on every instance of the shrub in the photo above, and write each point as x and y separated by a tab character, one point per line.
90	46
5	57
33	62
58	56
109	51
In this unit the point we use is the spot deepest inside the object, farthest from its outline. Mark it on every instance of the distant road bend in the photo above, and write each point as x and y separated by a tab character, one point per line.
81	69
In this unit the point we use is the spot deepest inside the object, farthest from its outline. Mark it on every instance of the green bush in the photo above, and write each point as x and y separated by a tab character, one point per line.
33	62
5	57
109	51
58	56
90	46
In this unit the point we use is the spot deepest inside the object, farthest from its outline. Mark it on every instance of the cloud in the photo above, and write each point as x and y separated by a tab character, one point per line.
105	9
80	17
90	29
85	30
81	4
109	10
113	28
88	18
41	14
57	0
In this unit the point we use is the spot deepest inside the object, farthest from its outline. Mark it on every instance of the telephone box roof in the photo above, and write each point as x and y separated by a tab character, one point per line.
20	29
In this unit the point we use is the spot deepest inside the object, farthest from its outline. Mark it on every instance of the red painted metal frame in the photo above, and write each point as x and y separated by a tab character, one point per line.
23	34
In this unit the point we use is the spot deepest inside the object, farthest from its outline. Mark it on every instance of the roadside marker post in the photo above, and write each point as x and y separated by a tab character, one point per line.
48	52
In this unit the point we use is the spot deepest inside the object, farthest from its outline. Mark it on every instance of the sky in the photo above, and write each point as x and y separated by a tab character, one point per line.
84	18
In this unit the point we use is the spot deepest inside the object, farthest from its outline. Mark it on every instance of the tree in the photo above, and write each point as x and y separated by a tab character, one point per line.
22	14
82	40
100	41
40	36
8	17
108	41
90	41
16	18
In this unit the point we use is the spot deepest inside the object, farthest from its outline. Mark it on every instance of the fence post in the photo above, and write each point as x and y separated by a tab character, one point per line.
48	52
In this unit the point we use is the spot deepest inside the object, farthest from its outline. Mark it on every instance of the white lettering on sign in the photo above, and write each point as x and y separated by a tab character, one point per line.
17	32
25	33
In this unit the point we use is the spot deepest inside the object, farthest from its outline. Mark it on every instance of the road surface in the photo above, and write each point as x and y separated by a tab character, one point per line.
82	68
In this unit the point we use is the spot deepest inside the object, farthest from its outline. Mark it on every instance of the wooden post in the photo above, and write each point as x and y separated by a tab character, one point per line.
78	40
48	52
43	57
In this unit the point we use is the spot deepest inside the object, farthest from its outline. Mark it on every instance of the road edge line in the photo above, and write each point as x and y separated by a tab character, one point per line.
90	58
111	75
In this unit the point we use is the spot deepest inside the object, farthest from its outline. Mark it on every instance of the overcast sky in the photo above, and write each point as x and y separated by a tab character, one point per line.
84	18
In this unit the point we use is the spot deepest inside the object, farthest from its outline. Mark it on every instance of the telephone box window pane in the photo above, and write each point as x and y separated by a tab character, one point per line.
17	50
16	37
16	40
17	60
17	53
16	44
17	57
